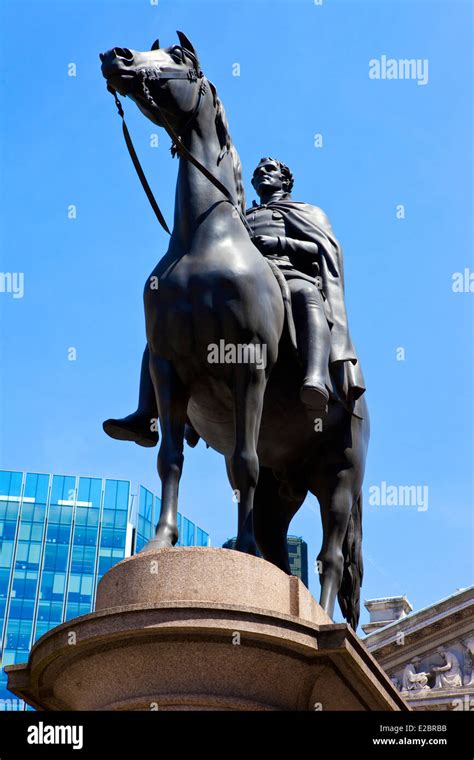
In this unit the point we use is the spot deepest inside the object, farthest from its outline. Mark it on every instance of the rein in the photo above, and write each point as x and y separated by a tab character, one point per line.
137	165
177	145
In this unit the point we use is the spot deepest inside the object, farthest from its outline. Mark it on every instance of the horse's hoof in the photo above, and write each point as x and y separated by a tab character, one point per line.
157	543
247	547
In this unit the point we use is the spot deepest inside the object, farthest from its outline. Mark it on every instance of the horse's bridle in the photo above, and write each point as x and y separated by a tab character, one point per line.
177	145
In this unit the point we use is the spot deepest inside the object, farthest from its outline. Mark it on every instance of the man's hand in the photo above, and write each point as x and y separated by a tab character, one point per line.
266	243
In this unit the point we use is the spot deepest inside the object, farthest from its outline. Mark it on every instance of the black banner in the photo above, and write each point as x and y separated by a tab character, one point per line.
384	734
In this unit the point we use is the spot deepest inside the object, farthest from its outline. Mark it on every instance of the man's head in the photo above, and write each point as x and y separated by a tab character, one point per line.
270	176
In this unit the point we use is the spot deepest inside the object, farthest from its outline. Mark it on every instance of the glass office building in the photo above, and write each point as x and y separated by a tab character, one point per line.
297	552
59	534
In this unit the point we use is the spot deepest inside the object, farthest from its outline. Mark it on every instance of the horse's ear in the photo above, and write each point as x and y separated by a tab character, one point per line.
156	45
187	44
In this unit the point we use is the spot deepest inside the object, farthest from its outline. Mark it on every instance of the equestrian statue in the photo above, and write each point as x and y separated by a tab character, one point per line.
287	410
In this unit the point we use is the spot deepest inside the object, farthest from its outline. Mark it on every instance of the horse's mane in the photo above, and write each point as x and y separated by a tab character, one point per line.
225	140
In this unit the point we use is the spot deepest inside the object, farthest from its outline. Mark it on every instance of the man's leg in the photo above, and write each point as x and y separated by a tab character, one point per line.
314	342
142	425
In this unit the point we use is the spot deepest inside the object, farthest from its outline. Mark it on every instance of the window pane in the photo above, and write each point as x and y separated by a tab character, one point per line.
6	552
36	487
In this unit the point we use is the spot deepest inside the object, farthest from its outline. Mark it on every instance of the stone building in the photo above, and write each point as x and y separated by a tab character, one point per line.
428	654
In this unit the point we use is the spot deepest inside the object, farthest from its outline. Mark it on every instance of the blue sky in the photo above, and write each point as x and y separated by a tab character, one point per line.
303	70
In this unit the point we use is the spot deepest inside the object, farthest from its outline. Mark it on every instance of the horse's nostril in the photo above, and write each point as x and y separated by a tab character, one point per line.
123	53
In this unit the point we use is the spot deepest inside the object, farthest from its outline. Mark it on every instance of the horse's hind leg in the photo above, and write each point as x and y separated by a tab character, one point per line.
242	465
172	399
336	499
273	513
337	486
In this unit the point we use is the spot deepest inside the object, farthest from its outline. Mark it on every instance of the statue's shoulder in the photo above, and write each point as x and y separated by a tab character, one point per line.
252	208
314	213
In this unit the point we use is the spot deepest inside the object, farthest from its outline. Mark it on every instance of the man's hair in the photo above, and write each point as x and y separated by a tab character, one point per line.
285	170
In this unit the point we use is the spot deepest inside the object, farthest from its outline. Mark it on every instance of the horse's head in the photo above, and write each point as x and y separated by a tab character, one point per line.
161	81
168	86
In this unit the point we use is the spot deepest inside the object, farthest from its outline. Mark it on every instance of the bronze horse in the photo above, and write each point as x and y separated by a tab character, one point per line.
213	285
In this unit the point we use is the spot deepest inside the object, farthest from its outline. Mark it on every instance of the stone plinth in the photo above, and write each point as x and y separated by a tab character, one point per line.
202	629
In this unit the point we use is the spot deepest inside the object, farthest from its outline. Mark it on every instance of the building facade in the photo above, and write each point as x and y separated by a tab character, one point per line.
58	536
428	654
297	552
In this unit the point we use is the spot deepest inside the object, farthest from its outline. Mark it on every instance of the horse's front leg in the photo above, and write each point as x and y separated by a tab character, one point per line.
243	465
172	399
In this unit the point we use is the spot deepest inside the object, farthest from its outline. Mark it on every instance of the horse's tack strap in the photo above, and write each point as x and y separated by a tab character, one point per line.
285	292
138	167
143	179
181	148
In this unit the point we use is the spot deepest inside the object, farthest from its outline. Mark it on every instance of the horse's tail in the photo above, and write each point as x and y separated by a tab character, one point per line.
349	592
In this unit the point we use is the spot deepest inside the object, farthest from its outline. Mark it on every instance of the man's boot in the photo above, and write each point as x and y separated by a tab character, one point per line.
315	397
314	344
135	427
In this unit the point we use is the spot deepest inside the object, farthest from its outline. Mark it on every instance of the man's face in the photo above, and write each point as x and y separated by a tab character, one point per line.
267	177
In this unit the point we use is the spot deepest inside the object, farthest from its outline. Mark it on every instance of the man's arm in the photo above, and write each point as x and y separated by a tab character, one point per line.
270	244
302	253
291	245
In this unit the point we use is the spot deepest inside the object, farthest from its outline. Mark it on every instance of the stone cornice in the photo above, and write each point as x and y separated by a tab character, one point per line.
424	625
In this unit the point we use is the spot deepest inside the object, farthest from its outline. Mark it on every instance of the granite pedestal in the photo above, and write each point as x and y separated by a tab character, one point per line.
202	629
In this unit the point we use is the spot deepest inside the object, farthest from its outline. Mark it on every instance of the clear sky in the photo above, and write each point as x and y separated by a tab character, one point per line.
386	143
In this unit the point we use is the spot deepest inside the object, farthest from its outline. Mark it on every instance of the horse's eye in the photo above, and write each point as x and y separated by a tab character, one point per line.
177	55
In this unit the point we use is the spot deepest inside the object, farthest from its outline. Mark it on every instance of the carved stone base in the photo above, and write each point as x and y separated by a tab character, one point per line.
202	629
